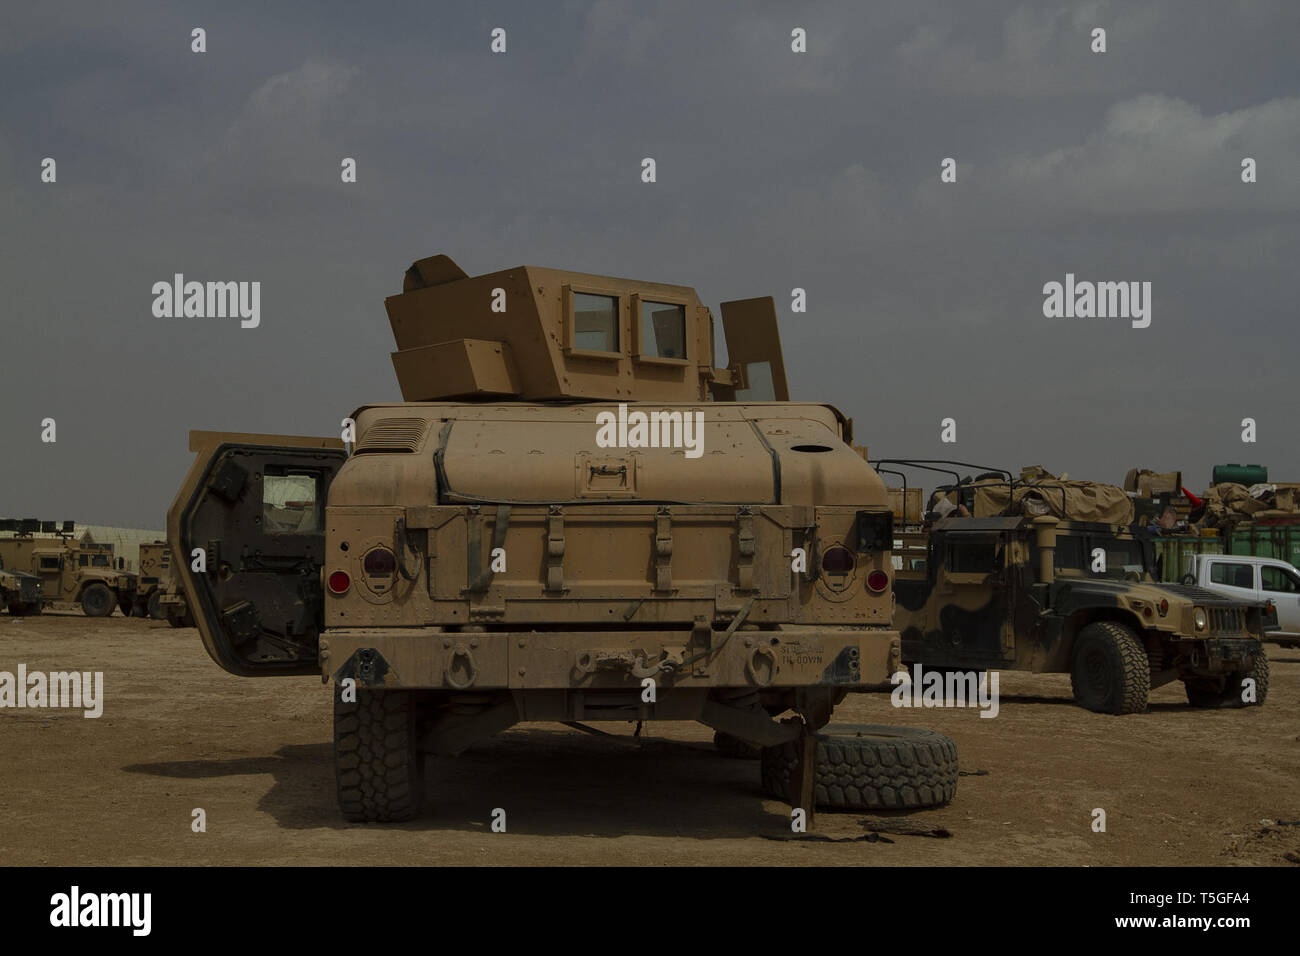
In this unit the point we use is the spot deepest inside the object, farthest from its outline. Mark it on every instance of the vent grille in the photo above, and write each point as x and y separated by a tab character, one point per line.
393	434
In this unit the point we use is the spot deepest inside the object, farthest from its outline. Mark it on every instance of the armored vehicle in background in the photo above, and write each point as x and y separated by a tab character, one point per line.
173	606
20	592
1029	589
155	574
70	570
572	516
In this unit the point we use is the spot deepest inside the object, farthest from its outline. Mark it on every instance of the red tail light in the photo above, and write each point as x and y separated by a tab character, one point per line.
339	581
877	581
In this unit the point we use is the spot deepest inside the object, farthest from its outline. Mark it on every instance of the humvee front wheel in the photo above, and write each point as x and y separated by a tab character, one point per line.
1110	673
870	766
1229	691
378	767
97	601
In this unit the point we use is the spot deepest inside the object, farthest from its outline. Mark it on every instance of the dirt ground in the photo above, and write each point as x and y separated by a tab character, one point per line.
1179	786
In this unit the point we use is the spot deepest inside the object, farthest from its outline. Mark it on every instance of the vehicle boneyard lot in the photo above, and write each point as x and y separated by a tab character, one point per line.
1178	786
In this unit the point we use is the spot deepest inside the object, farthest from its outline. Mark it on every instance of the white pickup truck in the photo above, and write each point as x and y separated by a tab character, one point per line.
1257	579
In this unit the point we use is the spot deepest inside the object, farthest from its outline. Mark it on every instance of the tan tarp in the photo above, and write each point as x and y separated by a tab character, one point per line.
1227	503
1150	483
1081	500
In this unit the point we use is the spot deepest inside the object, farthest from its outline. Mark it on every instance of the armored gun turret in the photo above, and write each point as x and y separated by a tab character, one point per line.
539	335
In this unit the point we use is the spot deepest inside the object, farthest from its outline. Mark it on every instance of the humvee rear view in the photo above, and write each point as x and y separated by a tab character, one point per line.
539	532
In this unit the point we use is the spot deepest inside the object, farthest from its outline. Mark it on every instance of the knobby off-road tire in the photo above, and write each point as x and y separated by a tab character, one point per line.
870	767
734	748
154	608
97	601
377	764
1221	692
1111	673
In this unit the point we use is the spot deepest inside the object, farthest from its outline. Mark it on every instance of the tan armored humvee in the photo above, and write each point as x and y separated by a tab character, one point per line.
70	570
573	516
155	576
20	592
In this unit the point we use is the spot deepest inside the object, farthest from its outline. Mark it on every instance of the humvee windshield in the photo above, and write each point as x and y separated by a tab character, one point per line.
1124	556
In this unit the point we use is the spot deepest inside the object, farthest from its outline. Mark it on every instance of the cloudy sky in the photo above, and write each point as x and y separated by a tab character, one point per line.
776	170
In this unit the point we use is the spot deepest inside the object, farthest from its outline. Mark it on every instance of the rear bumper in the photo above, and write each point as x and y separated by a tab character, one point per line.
848	658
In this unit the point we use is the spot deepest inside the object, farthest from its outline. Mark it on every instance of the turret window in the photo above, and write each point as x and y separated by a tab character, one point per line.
595	322
663	330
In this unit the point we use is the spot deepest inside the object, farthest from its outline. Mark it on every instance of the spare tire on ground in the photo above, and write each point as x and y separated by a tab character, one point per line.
870	767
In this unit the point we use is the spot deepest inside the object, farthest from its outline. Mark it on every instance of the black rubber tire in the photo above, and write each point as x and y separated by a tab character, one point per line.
734	748
127	606
378	767
1110	673
870	767
97	600
152	606
1209	692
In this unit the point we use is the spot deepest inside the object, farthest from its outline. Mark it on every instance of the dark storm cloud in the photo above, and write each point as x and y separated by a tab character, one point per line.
775	170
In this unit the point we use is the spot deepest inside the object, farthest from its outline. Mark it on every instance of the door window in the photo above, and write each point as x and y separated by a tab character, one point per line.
289	504
1232	575
972	557
1280	580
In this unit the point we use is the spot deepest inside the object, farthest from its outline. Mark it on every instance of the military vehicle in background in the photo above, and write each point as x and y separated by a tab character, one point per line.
79	572
173	606
160	595
20	592
1009	579
154	568
1241	513
572	516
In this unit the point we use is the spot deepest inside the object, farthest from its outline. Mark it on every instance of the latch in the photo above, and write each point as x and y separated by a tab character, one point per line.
746	548
555	548
480	574
663	549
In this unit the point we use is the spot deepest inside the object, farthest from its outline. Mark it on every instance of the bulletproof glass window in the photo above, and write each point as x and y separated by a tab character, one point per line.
1279	579
289	503
83	560
1122	557
1232	575
663	330
761	387
99	560
973	556
595	322
49	564
1069	553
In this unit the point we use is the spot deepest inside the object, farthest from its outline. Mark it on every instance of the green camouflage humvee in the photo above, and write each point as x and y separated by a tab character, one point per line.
1038	593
